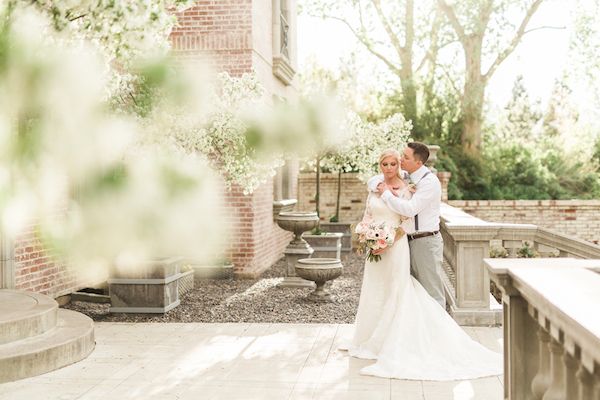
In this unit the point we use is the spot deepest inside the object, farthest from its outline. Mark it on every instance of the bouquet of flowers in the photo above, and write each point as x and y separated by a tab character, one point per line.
374	236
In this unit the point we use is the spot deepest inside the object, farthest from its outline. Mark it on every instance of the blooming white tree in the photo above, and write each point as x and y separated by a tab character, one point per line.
123	32
125	187
367	141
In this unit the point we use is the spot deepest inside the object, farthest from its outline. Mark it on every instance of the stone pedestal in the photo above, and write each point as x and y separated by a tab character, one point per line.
292	255
152	288
297	222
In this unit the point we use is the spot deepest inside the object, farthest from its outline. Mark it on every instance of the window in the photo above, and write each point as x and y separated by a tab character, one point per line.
283	41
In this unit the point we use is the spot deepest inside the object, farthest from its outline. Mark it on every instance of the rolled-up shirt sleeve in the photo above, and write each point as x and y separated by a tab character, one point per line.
419	201
373	182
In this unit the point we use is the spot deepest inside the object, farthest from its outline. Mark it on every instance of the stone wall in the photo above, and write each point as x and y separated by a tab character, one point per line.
580	218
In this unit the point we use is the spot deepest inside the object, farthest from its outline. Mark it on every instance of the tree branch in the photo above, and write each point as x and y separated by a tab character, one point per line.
76	18
434	47
431	54
388	29
543	27
449	11
515	41
451	80
485	17
367	43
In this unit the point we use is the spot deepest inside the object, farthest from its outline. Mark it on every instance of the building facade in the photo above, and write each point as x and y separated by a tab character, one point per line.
248	36
236	36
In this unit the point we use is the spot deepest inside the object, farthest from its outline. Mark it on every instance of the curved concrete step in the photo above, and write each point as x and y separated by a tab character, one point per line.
25	314
72	340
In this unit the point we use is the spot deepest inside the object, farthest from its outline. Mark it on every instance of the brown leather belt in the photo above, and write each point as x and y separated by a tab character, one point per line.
421	235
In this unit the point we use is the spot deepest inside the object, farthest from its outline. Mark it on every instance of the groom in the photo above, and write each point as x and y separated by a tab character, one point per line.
425	242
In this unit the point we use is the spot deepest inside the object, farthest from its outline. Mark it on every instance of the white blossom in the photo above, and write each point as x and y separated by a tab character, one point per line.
368	140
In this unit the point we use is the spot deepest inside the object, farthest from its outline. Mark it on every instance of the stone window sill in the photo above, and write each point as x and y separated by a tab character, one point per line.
283	70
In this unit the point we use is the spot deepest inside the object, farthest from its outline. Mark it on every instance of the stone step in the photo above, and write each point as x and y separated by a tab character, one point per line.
70	341
24	315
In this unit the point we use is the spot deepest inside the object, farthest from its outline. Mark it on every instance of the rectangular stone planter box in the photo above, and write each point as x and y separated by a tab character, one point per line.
213	271
153	288
186	282
327	245
342	227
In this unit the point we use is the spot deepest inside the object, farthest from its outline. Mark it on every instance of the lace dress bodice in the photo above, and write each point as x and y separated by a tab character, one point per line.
380	212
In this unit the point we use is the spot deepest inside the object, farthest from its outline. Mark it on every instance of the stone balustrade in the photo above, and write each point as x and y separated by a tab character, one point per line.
468	240
551	326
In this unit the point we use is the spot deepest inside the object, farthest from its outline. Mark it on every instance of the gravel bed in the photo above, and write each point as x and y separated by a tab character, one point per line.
246	300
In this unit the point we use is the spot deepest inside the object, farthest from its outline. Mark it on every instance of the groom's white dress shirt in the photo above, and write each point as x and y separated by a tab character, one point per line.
425	202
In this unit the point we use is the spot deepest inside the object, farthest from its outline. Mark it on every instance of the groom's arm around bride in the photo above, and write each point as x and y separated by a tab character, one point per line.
426	246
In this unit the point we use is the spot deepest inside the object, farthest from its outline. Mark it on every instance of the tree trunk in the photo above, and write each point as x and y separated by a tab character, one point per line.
318	188
339	195
409	92
473	97
407	79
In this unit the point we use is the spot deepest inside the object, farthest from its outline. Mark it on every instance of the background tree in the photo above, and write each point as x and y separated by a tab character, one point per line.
407	37
480	27
402	34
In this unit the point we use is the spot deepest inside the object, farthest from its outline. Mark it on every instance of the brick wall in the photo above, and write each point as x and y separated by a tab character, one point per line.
38	271
352	198
257	240
236	36
580	218
219	31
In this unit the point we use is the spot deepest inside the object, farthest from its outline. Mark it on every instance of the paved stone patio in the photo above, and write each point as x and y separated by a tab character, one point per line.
235	361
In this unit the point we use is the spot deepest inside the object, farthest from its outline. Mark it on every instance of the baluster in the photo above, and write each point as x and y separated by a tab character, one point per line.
541	381
556	391
571	366
596	379
512	246
545	251
586	383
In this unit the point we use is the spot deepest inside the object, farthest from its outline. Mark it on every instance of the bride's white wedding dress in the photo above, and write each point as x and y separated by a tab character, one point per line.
398	324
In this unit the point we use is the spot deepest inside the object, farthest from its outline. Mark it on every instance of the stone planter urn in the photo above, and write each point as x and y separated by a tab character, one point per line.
319	270
433	150
297	222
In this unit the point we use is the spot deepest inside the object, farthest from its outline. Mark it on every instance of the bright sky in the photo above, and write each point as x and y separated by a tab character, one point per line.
539	58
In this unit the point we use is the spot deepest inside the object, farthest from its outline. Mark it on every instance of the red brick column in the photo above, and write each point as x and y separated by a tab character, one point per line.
37	270
219	31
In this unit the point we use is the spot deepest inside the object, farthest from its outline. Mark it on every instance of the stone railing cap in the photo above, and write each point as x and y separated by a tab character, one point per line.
507	265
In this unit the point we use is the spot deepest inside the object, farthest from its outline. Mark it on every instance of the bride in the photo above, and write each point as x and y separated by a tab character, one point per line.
398	323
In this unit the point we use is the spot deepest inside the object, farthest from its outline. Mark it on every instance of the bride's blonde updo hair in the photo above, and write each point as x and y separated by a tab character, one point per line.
390	153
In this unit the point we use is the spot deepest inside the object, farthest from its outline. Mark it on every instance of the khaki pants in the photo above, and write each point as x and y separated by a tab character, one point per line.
426	265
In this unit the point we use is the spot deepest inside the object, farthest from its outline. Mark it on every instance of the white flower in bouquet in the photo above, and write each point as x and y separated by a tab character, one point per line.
374	236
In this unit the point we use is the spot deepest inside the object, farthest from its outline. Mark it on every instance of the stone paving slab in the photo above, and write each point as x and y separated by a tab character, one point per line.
235	361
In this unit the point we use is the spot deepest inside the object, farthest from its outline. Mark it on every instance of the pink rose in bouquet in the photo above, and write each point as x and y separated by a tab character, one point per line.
374	236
